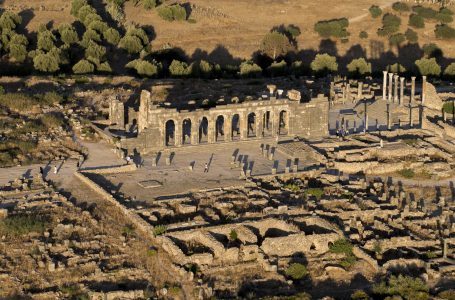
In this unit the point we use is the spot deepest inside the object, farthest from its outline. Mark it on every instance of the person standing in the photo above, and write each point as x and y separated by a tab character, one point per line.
55	169
206	168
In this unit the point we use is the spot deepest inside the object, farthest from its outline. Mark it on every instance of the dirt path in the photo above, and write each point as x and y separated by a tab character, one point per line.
359	18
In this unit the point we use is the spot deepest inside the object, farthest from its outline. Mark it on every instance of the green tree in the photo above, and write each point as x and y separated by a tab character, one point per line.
359	295
397	39
359	66
416	21
98	26
46	62
132	44
95	52
68	34
250	69
444	32
375	11
104	67
90	35
17	47
390	25
149	4
143	67
179	69
112	36
428	67
324	63
83	67
76	5
444	18
404	286
46	40
450	70
432	50
411	36
275	44
396	68
86	11
9	20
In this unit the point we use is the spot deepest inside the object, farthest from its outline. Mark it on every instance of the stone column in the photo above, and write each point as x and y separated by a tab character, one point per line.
360	90
424	88
228	129
401	100
384	86
389	98
259	124
275	123
211	131
395	96
243	123
411	122
194	132
413	89
348	92
366	118
178	134
389	119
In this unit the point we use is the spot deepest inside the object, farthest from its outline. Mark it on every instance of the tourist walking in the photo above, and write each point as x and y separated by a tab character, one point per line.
206	168
55	169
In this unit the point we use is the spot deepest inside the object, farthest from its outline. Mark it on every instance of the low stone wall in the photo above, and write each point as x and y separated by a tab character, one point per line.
293	243
112	170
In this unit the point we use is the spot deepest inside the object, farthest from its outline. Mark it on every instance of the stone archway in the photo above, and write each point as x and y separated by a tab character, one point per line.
235	127
203	130
186	132
251	125
169	139
219	128
283	126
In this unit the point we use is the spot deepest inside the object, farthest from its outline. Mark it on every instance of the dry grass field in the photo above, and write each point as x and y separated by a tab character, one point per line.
238	26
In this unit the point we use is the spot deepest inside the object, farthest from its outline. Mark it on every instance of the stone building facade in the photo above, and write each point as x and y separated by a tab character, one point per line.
160	127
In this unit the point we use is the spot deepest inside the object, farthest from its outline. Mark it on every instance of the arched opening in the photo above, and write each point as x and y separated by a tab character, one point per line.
186	131
312	247
203	130
235	130
170	133
267	123
219	129
251	125
283	125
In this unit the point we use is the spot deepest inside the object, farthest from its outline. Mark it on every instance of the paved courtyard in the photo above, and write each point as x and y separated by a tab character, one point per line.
150	181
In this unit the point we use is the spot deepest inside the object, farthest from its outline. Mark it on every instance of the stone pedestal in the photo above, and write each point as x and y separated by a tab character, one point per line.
384	86
389	98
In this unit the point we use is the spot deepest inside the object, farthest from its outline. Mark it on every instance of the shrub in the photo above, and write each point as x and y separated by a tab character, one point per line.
341	246
132	44
171	13
407	173
324	63
448	295
359	66
444	18
444	32
21	224
400	7
425	12
359	295
375	11
278	68
250	69
316	192
233	236
428	67
51	98
363	35
128	230
159	230
292	187
448	107
52	120
407	287
416	21
411	36
112	36
17	101
332	28
296	271
446	11
151	252
149	4
143	67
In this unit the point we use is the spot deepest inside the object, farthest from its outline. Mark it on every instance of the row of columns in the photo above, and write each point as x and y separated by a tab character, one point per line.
393	88
212	130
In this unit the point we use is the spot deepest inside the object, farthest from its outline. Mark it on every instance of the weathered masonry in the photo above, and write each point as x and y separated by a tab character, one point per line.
160	127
